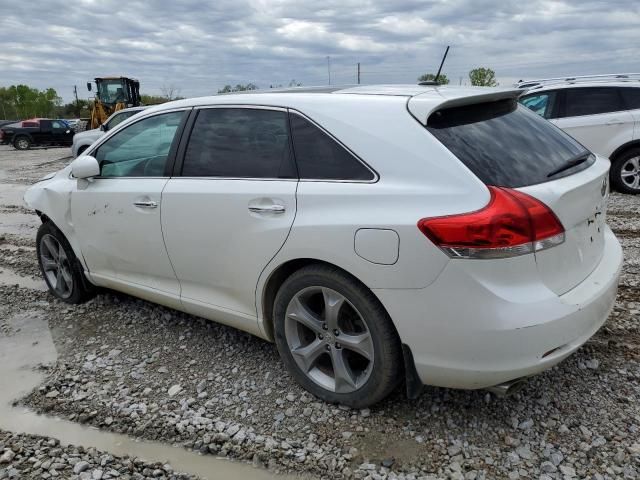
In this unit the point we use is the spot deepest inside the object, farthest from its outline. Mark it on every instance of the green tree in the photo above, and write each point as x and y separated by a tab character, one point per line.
238	88
22	101
152	99
483	77
430	77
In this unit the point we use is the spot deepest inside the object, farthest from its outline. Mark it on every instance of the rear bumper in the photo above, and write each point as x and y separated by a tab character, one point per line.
475	331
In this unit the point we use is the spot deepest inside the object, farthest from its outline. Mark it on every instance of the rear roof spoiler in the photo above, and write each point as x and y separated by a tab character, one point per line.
423	105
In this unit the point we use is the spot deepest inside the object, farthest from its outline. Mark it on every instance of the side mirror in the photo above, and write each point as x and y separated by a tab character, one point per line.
85	167
89	86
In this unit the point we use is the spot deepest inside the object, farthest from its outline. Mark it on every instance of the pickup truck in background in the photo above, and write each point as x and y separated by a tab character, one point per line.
37	132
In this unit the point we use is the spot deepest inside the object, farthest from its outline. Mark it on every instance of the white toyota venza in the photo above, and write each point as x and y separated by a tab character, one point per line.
377	234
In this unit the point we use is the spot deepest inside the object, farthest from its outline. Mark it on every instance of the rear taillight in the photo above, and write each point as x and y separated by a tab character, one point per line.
513	223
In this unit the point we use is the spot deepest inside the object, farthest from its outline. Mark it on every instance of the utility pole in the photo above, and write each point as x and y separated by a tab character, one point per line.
358	73
329	68
75	92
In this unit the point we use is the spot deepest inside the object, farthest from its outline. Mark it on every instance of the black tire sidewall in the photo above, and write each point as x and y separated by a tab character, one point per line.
79	293
616	169
385	374
21	137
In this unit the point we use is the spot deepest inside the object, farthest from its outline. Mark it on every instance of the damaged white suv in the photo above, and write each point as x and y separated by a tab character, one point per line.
439	235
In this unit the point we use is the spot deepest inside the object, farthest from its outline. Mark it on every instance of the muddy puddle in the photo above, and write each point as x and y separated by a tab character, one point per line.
22	224
7	277
32	346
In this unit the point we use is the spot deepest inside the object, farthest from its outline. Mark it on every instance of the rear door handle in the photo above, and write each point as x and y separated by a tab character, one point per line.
146	204
267	208
614	122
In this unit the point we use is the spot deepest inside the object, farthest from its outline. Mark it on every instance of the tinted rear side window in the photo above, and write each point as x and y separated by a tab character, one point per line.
591	101
505	144
320	157
631	97
239	143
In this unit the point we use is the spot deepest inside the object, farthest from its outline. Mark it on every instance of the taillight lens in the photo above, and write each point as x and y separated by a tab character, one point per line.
513	223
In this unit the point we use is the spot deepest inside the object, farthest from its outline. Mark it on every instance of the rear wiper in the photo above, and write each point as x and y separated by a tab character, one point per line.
572	162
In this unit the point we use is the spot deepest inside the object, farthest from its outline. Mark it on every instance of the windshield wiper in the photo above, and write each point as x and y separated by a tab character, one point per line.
572	162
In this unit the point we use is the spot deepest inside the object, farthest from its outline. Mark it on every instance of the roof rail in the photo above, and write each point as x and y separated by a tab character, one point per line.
621	77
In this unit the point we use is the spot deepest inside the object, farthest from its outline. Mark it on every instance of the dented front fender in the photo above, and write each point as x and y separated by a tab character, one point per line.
51	197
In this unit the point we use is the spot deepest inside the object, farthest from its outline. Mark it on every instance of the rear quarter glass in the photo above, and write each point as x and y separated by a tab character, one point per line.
505	144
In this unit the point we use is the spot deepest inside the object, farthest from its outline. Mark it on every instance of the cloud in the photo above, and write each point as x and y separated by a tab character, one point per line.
201	46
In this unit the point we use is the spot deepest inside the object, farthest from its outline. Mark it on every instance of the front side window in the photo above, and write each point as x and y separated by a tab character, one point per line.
239	143
320	157
141	149
591	101
56	124
542	103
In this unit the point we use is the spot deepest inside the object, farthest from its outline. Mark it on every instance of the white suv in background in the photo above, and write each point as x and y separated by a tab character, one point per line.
446	235
82	140
602	112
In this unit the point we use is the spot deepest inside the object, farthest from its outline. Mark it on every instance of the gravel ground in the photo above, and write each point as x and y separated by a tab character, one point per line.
29	456
132	367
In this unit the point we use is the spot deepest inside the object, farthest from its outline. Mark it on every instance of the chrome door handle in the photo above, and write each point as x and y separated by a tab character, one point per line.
267	209
146	204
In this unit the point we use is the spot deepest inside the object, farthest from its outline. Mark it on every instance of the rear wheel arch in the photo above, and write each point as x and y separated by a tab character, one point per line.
278	277
622	149
622	178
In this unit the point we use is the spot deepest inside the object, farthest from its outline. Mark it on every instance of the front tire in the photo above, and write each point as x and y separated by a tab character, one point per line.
59	266
22	143
625	172
335	338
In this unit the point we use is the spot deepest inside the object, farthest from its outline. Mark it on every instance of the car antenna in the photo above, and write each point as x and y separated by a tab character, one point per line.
435	79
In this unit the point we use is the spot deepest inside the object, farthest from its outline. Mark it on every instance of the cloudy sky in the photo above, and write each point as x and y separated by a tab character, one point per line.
199	46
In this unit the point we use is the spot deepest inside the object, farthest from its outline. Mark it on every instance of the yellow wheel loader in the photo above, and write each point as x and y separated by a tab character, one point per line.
112	94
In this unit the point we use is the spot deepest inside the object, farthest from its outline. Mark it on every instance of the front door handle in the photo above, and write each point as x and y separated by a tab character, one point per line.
267	208
146	204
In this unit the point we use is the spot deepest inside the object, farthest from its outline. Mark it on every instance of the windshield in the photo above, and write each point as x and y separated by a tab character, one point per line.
111	91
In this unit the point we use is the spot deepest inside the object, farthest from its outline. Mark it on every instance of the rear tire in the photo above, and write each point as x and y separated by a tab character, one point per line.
59	266
335	337
625	172
22	143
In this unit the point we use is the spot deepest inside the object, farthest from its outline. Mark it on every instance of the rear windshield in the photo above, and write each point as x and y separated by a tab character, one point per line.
507	145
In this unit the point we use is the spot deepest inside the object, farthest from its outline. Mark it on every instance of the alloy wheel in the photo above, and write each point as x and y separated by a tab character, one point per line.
23	143
329	339
630	173
56	266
